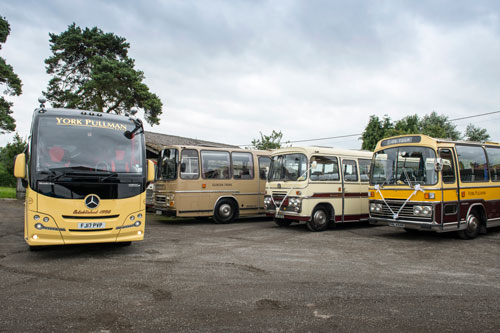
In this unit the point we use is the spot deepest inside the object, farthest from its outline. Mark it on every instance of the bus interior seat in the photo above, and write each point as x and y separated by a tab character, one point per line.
466	175
479	174
56	153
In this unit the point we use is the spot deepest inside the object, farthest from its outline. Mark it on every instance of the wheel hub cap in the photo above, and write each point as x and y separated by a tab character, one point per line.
225	210
320	217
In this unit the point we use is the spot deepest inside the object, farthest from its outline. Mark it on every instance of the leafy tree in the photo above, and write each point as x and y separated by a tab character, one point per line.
7	155
434	125
92	70
10	80
376	130
265	142
438	127
473	133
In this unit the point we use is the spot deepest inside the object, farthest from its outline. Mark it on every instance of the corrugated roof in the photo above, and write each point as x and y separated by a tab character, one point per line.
155	141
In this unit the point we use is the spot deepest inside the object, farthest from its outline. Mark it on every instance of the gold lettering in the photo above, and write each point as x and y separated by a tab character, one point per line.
58	120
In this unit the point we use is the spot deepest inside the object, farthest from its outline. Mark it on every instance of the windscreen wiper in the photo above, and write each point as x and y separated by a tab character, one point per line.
106	177
52	175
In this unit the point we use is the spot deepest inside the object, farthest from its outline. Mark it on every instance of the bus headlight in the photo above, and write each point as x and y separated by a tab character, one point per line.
424	211
295	203
137	223
45	219
132	217
375	208
267	202
36	217
139	216
39	226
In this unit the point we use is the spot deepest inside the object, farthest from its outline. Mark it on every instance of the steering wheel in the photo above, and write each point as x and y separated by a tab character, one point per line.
99	166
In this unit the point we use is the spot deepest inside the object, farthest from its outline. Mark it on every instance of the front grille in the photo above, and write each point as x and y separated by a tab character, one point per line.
406	213
160	199
278	199
89	230
100	217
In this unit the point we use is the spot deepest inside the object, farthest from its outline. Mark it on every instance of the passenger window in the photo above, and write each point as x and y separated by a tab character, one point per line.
494	161
448	172
472	163
242	165
215	164
350	171
189	164
364	169
327	168
264	163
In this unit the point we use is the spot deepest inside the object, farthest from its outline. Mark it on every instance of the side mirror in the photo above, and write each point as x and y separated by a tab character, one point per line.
438	164
20	166
151	171
183	167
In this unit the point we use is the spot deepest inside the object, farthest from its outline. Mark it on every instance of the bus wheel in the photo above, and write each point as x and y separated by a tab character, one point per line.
473	226
225	211
320	220
282	222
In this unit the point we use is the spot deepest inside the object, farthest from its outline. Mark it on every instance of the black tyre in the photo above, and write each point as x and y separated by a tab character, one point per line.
123	244
225	211
320	219
473	227
282	222
412	231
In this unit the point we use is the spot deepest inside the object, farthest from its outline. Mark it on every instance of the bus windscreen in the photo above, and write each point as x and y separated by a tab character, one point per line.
83	144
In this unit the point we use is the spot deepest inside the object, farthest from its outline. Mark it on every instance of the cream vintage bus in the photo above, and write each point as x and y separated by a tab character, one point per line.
195	181
422	183
318	186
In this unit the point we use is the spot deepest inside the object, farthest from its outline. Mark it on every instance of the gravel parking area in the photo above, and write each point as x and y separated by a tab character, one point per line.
190	275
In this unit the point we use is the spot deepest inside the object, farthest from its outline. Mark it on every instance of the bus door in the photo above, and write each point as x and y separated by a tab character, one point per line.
450	209
264	163
351	191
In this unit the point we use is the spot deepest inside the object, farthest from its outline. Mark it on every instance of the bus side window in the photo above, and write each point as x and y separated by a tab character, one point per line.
472	161
189	164
326	169
264	163
242	165
448	172
215	164
350	171
494	162
364	169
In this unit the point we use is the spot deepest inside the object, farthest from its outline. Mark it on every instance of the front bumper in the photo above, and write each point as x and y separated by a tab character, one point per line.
286	215
165	211
405	224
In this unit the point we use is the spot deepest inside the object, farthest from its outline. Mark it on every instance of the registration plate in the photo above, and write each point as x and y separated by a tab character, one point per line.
397	225
280	216
159	212
92	225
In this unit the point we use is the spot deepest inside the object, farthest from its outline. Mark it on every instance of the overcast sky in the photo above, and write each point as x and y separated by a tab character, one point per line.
226	70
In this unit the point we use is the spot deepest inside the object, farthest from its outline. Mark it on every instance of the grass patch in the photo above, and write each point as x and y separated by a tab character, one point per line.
7	192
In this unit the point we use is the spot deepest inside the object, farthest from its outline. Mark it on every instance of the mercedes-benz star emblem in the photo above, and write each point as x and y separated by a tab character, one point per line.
92	201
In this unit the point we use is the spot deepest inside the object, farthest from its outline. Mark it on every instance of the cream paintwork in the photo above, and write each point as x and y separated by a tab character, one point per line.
307	188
